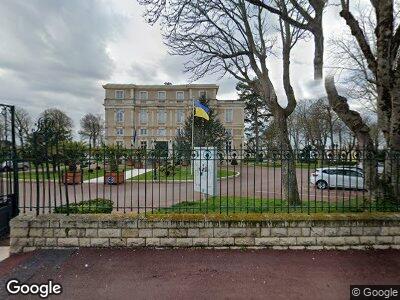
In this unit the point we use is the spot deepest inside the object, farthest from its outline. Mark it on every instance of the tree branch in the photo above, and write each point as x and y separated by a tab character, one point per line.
351	118
276	11
360	37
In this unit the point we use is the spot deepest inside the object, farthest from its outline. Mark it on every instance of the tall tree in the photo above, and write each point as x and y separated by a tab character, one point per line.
55	126
91	128
256	115
384	63
231	37
311	13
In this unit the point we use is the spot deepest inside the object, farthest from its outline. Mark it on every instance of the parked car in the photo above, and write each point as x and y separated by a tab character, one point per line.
357	168
380	167
338	177
8	166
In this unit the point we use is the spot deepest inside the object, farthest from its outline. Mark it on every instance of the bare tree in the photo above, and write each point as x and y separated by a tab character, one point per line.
349	60
91	128
231	37
23	124
311	12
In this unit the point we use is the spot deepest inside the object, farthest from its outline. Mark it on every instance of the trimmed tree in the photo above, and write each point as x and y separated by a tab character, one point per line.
209	133
256	115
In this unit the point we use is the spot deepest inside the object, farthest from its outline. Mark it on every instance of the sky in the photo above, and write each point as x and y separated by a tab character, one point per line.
58	53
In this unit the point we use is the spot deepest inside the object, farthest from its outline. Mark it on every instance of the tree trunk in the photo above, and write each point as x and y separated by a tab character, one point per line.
353	120
392	167
257	133
388	85
318	51
289	179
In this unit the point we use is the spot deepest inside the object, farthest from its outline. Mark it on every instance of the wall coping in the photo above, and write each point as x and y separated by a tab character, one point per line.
182	217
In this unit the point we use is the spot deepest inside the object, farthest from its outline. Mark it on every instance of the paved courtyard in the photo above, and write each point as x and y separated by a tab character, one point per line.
203	274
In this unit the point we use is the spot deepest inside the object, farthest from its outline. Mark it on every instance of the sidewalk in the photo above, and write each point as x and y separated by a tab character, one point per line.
203	274
128	174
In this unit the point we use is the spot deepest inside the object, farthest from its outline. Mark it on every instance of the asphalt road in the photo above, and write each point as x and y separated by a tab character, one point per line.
253	182
203	274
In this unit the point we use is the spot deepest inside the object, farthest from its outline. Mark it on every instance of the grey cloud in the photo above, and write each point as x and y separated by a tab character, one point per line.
166	68
54	54
171	68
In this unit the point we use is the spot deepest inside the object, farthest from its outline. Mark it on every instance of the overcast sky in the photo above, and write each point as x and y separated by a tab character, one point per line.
58	53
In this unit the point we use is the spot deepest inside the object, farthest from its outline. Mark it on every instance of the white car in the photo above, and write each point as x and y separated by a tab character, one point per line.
338	177
380	167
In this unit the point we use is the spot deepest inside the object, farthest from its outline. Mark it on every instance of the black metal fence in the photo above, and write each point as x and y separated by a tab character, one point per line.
9	177
74	178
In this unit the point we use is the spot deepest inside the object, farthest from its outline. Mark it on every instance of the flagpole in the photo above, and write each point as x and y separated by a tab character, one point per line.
192	149
192	123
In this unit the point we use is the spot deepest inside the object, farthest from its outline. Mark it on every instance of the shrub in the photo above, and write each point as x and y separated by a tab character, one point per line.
95	206
167	170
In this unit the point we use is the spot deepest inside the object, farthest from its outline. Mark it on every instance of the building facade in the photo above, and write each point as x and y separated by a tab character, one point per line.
146	115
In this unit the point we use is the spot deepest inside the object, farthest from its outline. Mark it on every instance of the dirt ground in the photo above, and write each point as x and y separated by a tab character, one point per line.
203	274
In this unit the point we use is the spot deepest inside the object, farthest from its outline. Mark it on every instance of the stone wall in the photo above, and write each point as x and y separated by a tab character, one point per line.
60	231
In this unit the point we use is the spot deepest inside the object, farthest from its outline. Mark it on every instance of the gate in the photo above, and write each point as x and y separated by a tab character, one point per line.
8	168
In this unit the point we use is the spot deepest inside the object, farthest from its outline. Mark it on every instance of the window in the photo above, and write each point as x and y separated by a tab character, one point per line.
143	95
180	96
353	173
180	116
228	115
143	144
161	132
202	94
143	131
330	172
229	145
120	143
120	131
162	116
162	95
119	115
119	94
338	172
179	132
143	116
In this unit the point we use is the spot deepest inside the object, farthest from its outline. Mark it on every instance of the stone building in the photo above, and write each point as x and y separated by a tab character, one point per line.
157	112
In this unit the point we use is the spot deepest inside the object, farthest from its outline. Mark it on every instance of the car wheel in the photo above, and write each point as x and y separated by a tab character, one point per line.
322	185
25	168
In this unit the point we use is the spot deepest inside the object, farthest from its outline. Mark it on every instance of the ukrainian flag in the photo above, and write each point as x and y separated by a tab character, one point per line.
200	110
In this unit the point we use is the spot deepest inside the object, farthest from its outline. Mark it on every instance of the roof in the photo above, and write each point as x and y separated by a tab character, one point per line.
159	86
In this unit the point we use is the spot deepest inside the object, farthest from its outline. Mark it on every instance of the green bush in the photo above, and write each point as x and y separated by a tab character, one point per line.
168	169
95	206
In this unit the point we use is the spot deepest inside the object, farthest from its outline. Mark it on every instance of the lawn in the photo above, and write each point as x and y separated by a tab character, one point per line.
95	206
226	204
180	174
